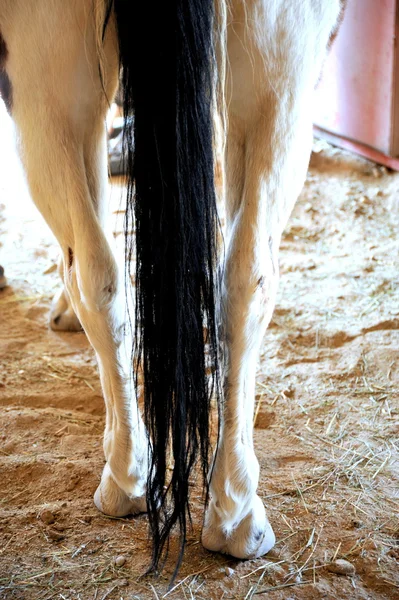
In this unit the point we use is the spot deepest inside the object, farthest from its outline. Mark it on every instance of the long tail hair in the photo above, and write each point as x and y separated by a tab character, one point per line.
167	61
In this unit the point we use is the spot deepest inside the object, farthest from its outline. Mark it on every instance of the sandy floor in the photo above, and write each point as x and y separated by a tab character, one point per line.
327	422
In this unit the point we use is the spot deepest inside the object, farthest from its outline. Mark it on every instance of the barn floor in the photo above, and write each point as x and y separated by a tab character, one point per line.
327	422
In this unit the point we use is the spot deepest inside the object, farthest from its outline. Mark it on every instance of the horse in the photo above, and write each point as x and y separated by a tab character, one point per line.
199	79
3	280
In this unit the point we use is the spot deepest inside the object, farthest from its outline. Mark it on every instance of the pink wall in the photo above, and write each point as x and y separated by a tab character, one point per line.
354	96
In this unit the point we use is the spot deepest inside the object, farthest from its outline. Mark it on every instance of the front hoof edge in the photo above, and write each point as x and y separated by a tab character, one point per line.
62	316
112	501
65	321
251	538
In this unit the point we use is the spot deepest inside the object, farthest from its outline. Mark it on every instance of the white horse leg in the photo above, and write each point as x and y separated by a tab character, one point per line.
62	315
3	280
59	108
275	54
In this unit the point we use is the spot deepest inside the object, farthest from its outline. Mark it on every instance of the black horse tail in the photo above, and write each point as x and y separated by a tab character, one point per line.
167	59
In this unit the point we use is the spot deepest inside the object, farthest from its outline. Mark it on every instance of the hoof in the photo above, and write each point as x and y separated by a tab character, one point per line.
62	316
66	321
112	501
3	280
251	538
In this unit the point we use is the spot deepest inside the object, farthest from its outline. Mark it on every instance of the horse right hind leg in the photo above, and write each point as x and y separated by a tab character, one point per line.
268	148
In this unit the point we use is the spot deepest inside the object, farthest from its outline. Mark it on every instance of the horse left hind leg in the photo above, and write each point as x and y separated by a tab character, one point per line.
62	315
62	144
95	287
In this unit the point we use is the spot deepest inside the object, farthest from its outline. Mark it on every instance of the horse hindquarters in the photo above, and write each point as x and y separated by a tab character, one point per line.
59	108
275	52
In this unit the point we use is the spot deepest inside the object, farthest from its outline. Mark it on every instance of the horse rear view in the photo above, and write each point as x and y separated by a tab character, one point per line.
255	63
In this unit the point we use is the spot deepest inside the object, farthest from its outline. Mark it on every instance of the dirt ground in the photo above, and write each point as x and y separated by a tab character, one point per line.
327	414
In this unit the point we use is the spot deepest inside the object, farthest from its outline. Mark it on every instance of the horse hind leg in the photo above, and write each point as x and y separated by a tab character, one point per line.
67	180
267	154
62	315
